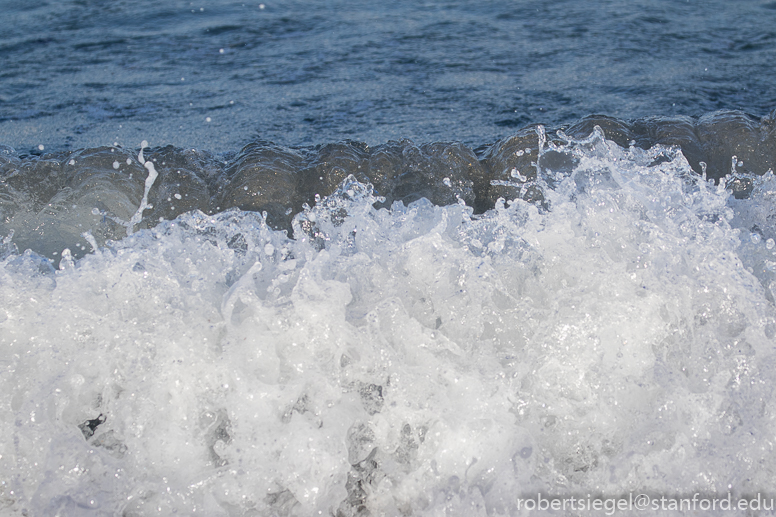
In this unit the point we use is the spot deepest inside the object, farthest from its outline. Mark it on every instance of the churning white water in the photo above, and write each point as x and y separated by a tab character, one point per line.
416	360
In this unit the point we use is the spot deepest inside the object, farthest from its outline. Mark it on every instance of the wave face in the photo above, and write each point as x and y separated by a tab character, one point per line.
421	346
49	202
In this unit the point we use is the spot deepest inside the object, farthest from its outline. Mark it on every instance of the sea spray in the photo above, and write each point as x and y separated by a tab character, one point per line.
149	182
419	358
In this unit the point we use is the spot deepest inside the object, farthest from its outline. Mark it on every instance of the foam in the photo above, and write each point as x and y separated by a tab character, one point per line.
419	358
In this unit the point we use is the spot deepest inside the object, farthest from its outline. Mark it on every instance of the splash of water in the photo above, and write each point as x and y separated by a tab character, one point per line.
614	335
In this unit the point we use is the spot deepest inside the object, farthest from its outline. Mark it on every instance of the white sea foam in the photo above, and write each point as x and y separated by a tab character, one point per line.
417	360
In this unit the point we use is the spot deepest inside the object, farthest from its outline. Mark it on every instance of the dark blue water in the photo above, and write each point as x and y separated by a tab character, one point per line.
88	73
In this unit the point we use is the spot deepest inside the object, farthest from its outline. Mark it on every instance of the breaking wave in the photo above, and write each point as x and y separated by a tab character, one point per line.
448	329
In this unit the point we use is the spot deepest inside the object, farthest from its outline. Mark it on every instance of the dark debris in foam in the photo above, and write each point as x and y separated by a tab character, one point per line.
89	427
265	177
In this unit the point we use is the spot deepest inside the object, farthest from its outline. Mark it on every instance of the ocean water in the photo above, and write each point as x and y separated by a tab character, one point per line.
86	73
417	259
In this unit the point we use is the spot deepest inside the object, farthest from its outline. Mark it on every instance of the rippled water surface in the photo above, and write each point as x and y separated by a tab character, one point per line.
88	73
